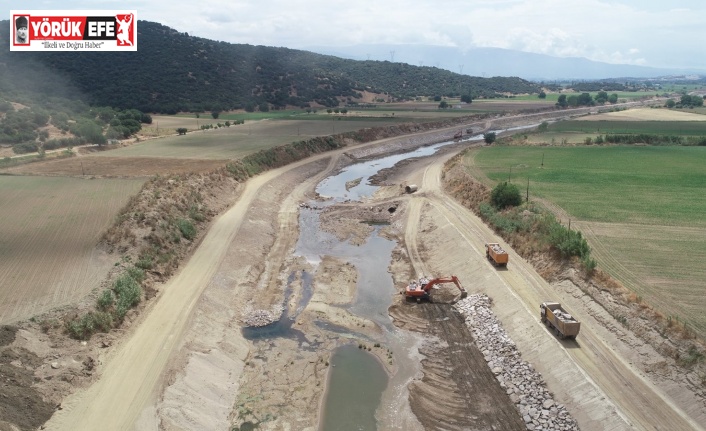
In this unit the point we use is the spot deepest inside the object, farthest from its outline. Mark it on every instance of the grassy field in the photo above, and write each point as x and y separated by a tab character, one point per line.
641	208
681	128
239	141
622	95
48	235
624	184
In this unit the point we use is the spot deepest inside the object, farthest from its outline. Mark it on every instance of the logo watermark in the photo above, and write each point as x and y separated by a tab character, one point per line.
73	30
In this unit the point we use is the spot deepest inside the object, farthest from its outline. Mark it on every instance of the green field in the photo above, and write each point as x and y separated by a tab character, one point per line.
554	97
641	209
680	128
653	185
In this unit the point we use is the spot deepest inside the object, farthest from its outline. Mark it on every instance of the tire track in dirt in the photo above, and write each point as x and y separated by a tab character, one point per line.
458	390
590	361
134	368
457	378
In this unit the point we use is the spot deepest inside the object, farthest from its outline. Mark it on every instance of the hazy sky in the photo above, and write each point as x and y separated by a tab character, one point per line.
658	33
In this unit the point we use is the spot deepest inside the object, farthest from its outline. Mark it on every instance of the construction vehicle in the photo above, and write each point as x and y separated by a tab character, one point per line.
556	318
421	289
458	135
495	254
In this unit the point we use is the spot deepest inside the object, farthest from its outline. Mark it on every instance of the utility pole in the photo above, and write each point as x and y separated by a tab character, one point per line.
392	56
509	177
542	160
527	198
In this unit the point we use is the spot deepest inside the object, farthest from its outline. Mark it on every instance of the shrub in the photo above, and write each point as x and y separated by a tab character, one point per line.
489	138
186	228
589	264
128	291
136	273
504	195
568	242
106	300
145	262
81	328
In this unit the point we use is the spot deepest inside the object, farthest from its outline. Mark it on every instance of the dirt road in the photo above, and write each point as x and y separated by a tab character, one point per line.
148	380
599	387
134	369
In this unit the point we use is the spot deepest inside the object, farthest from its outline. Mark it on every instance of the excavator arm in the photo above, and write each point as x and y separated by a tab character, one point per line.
422	289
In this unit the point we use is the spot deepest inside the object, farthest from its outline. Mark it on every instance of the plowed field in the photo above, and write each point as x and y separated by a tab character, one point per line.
48	236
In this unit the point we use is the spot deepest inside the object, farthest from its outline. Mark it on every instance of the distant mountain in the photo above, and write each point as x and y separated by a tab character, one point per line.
499	62
172	71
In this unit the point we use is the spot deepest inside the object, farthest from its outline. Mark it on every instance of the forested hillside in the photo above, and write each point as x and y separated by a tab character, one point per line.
172	71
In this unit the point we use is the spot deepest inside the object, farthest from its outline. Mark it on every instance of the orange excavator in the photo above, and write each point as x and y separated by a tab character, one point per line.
421	289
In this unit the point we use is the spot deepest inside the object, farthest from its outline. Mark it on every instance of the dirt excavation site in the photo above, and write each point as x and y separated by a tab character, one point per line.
288	316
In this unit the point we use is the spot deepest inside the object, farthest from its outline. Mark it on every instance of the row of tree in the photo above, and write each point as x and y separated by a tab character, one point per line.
686	101
173	72
27	128
585	99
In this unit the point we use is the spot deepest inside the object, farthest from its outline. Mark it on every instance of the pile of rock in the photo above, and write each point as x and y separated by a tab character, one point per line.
262	317
522	383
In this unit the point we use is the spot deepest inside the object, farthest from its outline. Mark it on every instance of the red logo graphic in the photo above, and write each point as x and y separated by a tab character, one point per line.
72	30
125	30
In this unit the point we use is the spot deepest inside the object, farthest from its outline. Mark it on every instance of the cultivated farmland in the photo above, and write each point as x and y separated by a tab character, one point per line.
48	236
646	114
641	209
239	141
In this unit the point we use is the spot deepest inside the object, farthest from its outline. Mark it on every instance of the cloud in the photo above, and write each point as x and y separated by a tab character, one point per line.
660	32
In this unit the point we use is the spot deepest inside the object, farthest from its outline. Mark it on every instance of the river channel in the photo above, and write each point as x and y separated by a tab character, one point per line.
376	400
360	394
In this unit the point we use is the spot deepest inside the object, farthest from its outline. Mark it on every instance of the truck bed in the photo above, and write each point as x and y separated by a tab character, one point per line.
564	324
496	254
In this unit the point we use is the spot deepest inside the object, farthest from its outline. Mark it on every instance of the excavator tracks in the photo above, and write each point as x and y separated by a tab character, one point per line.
475	400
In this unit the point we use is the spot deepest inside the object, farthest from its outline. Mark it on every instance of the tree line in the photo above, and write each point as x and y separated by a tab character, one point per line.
585	99
174	72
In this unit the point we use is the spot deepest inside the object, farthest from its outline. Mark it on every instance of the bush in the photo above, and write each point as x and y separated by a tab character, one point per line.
568	242
81	328
186	228
129	293
106	300
489	138
589	264
504	195
145	262
136	273
507	222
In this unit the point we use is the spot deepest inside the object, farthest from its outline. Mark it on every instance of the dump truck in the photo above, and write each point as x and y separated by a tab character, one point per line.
556	318
496	255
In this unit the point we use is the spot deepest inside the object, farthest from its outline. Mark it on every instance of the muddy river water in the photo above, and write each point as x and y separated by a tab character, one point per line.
360	394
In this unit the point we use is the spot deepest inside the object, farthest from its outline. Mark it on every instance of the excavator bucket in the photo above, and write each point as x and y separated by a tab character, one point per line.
463	295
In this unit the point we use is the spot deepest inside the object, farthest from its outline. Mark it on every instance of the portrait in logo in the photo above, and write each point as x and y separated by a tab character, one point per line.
21	30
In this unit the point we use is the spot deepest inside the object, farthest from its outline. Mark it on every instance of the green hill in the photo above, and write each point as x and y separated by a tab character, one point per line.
172	71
